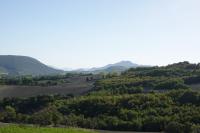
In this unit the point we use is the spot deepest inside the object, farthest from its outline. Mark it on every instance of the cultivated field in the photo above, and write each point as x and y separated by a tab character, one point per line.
76	85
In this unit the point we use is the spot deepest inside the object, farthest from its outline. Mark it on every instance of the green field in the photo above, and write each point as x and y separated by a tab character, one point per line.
25	129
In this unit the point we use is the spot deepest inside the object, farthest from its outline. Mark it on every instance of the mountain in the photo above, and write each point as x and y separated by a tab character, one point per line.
23	65
125	64
116	67
111	69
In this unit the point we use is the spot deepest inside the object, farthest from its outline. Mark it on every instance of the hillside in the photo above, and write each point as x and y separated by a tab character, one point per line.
148	99
111	68
125	64
23	65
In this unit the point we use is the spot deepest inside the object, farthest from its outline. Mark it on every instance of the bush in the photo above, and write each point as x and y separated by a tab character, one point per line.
175	127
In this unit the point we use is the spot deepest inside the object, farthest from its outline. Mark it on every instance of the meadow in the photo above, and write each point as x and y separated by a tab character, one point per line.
26	129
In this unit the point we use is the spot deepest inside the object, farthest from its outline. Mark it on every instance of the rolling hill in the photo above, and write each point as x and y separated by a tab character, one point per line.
110	68
23	65
125	64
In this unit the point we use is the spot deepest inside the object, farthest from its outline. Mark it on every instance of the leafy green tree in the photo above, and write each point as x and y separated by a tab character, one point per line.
190	97
175	127
9	114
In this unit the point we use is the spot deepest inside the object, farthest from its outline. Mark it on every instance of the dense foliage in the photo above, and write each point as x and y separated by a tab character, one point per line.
138	112
176	76
140	99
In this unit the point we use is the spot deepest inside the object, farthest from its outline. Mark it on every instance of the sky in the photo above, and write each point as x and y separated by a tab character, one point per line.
92	33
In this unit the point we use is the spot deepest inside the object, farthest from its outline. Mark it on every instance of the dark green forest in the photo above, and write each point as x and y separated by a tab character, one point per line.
139	99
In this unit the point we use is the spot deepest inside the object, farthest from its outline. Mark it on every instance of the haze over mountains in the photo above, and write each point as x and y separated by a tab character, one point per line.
23	65
116	67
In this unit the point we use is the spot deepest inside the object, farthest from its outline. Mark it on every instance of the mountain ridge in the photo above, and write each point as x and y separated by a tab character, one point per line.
24	65
110	68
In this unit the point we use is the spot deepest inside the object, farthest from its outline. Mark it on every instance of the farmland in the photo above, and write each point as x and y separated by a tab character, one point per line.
75	85
113	102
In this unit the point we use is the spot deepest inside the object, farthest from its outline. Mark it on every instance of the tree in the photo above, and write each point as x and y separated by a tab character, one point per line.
175	127
189	97
9	114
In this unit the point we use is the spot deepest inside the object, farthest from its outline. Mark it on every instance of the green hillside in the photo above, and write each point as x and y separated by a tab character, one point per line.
22	65
153	99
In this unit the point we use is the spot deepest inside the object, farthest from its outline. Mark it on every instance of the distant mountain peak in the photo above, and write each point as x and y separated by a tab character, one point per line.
125	61
115	67
126	64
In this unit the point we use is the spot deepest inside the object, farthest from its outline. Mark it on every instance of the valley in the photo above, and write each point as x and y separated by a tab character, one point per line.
142	99
99	66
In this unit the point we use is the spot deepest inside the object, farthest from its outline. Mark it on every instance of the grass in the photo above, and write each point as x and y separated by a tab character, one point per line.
26	129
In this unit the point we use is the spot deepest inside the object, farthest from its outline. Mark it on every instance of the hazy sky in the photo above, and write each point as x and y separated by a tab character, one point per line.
86	33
